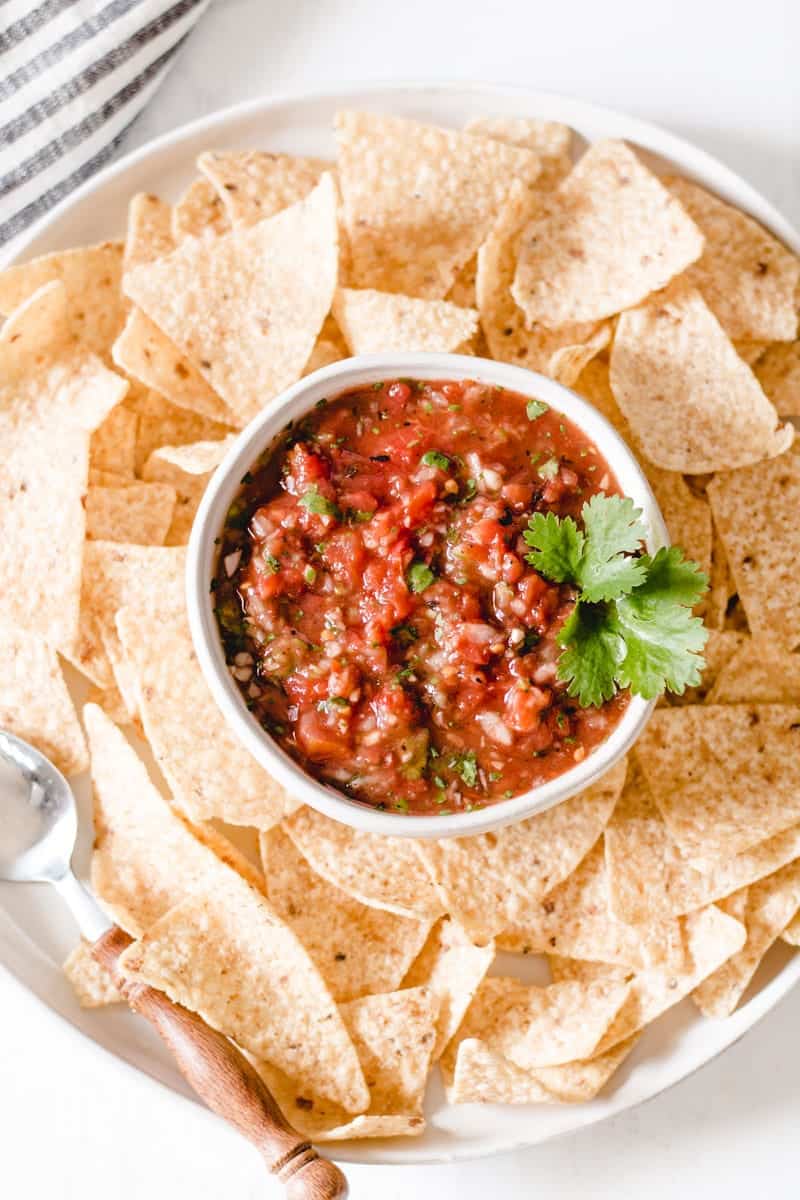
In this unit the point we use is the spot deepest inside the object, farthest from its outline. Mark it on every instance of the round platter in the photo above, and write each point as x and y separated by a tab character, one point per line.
36	933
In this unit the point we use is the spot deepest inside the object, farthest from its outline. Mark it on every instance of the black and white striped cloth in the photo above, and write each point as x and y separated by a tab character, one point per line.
74	75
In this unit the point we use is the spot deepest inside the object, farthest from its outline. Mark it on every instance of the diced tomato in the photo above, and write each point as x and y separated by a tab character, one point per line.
319	740
524	707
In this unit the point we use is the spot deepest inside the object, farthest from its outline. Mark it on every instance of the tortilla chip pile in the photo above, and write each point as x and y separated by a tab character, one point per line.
344	964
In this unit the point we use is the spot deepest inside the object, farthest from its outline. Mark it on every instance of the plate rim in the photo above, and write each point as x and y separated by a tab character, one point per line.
645	133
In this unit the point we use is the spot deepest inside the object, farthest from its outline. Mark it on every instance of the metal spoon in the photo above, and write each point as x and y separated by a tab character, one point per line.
38	826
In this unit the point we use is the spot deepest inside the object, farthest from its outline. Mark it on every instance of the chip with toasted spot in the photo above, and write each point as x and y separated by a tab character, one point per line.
359	950
373	321
606	238
113	446
692	403
383	872
199	212
494	880
551	140
778	372
561	353
763	550
769	906
418	200
747	278
791	933
453	967
209	772
140	512
35	704
226	955
582	971
254	184
725	777
149	232
246	308
91	279
147	354
170	465
164	424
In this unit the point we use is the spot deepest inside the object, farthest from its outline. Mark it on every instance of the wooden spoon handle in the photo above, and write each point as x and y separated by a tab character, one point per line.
227	1082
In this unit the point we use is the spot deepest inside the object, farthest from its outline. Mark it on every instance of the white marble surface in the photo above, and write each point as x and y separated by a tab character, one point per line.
721	72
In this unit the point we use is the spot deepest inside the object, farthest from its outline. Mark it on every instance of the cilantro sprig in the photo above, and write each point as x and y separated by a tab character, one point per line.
632	625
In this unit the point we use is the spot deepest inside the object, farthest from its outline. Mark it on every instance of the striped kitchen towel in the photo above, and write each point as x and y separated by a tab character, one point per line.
74	75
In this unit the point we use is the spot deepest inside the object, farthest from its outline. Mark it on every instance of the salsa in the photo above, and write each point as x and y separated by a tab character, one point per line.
375	602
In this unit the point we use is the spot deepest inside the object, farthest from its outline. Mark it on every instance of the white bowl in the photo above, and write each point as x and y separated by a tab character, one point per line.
300	399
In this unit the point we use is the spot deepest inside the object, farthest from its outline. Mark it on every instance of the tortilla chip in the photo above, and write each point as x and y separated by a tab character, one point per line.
112	703
113	446
725	777
791	933
747	278
574	920
35	704
227	956
357	950
687	516
671	356
608	236
246	308
254	184
139	513
551	140
770	905
763	549
452	967
375	321
116	574
91	278
711	937
462	291
53	394
382	872
324	353
648	878
535	1027
418	201
494	880
149	233
578	971
92	983
165	424
199	213
209	772
720	648
393	1036
759	672
188	485
562	353
192	458
481	1076
778	372
131	818
145	353
722	598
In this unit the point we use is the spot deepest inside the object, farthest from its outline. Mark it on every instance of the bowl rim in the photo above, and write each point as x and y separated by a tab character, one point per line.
293	404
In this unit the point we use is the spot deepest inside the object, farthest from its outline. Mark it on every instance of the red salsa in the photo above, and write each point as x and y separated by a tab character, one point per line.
376	606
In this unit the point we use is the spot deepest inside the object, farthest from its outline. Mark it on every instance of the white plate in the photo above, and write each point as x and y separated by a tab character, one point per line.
35	932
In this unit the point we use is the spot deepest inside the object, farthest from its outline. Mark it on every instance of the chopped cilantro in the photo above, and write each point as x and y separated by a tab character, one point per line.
435	458
309	574
632	626
401	804
535	409
272	564
419	577
333	702
320	547
357	516
465	765
318	504
404	634
470	490
531	639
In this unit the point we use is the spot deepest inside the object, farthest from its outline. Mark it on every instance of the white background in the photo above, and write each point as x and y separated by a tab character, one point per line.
721	72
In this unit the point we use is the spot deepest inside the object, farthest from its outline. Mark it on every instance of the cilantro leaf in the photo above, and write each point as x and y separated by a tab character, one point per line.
435	458
419	577
465	765
672	576
535	409
557	544
614	531
318	504
591	654
663	644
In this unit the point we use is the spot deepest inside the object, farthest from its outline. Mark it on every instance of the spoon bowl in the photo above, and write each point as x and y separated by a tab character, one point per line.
38	818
